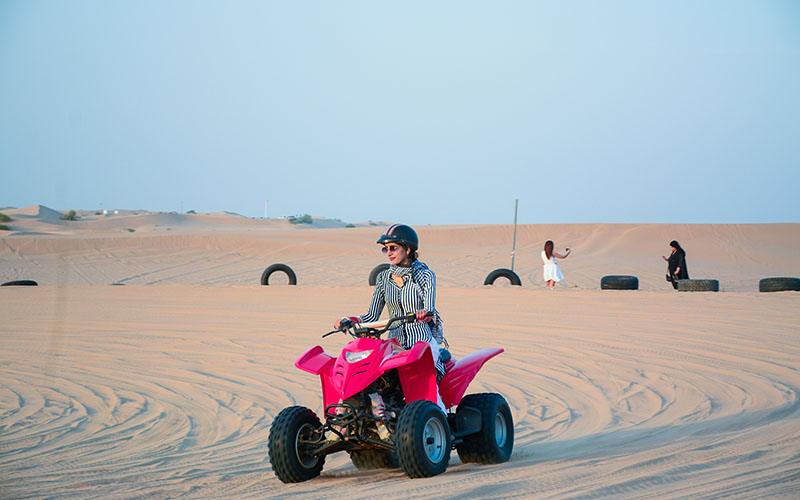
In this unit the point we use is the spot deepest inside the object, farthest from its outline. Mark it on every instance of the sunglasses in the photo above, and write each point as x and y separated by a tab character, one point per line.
390	248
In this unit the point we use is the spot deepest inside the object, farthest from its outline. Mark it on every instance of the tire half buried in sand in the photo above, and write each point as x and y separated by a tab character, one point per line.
698	285
373	275
278	267
502	273
779	285
20	283
619	283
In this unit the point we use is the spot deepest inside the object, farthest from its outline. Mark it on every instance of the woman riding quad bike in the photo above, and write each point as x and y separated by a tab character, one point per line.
380	406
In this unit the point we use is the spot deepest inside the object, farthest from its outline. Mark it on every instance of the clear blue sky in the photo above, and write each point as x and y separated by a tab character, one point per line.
418	112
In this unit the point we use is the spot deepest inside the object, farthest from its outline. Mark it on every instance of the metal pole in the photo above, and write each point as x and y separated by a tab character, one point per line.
514	246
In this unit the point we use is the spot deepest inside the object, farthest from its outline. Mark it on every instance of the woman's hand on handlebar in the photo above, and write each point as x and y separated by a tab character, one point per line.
423	315
351	320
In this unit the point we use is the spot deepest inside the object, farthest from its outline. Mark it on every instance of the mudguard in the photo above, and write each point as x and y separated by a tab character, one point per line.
314	361
455	382
416	371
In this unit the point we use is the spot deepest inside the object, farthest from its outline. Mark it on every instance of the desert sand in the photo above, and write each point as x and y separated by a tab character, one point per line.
166	387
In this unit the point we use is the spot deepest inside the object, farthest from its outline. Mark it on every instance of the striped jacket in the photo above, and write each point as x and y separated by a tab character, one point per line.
415	294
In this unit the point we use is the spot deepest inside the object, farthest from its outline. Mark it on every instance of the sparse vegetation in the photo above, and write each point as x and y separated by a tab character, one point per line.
98	213
371	223
300	219
5	218
191	212
71	215
350	225
130	229
3	227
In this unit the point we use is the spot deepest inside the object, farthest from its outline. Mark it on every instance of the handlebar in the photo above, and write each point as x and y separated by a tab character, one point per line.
373	328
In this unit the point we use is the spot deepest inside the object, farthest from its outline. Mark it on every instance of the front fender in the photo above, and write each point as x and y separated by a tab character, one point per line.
416	371
401	358
314	361
455	382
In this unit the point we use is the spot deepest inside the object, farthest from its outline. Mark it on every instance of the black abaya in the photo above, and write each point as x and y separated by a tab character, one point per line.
677	260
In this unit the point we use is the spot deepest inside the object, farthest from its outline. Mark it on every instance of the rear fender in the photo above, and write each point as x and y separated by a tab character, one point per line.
455	382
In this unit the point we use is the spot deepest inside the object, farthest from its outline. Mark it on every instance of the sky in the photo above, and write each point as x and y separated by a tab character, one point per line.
416	112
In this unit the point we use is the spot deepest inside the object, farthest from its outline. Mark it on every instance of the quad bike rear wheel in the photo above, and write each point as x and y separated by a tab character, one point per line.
374	459
423	439
495	441
291	458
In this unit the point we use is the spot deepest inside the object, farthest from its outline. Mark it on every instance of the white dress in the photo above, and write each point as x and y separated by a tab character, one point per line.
551	271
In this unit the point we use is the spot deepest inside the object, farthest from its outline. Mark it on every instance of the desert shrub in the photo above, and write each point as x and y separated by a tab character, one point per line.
5	218
350	225
300	219
71	215
371	223
191	212
3	227
130	229
98	213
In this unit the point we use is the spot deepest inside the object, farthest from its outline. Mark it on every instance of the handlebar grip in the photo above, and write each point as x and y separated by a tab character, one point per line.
412	317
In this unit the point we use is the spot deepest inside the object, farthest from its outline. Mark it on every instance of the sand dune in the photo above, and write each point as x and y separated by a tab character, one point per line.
231	250
40	212
167	387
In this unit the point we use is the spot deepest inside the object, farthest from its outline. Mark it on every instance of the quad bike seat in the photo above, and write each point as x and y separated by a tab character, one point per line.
448	361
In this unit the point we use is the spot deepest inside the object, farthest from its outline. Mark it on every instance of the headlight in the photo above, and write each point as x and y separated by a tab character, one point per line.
355	357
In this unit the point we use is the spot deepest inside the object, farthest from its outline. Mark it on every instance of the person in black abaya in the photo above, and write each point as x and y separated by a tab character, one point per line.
676	264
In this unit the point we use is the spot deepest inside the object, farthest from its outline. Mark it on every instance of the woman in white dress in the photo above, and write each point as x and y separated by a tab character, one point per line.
551	271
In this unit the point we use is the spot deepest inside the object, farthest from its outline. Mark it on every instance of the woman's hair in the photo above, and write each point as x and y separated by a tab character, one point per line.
677	246
548	249
412	254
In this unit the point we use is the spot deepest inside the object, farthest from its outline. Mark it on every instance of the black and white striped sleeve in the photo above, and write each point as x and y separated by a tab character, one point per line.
378	299
427	281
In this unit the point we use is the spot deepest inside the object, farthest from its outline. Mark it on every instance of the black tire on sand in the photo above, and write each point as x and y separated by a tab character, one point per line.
374	459
698	285
290	461
20	283
502	273
494	443
779	285
619	283
278	267
423	439
373	275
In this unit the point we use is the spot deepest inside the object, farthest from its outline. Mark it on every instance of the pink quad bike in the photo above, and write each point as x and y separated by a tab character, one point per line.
380	407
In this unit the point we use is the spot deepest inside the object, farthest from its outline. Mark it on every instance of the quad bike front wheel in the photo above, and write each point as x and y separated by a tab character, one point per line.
423	439
495	441
289	452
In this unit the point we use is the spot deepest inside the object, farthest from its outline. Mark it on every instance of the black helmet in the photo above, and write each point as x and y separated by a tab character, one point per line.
400	233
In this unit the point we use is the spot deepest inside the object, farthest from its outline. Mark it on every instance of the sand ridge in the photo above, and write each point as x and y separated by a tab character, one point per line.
150	248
